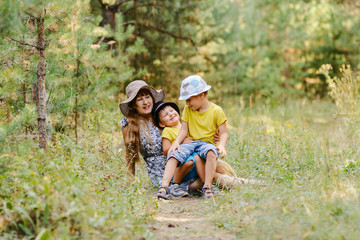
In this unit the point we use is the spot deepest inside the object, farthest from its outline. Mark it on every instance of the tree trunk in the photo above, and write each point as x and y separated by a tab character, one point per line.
41	84
108	14
137	33
24	96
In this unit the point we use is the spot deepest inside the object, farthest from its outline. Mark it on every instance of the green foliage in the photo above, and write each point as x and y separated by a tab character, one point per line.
257	49
344	90
73	191
310	166
274	48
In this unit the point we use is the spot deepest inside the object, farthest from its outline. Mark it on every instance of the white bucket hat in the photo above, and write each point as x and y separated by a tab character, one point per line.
132	90
192	86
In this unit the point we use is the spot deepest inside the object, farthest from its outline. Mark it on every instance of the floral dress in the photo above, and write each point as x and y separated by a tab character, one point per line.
152	152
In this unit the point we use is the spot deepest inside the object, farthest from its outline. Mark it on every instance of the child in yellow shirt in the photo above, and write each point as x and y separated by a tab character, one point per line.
166	115
200	120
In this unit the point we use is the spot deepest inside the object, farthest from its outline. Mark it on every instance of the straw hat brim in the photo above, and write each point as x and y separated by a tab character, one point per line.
158	95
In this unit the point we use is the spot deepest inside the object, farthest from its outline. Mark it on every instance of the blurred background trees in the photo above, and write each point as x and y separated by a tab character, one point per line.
254	49
84	52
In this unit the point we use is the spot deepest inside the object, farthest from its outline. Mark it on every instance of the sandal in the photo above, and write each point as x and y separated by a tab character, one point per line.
207	192
163	192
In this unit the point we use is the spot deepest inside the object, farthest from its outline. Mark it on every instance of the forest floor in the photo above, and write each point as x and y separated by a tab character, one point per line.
187	218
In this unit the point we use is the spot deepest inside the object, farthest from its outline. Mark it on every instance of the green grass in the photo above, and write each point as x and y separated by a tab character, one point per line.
311	167
73	191
309	159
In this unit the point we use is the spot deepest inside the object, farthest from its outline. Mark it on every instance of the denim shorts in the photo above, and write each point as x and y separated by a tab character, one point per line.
187	149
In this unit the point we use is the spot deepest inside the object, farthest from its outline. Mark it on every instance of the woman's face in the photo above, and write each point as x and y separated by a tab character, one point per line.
144	104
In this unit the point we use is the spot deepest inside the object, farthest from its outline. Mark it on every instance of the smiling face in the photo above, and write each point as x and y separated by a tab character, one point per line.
143	103
168	117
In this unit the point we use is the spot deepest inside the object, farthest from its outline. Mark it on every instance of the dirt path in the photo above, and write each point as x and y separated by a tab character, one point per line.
186	218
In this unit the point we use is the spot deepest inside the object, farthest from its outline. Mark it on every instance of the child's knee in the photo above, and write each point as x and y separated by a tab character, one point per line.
172	160
188	164
197	158
211	155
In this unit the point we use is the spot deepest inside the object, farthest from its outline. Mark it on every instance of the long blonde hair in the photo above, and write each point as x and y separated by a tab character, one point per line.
132	138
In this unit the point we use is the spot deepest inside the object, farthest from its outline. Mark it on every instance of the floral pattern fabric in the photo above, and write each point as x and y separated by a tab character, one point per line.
152	152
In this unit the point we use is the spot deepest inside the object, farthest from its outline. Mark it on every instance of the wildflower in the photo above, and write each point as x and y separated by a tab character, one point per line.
31	173
289	125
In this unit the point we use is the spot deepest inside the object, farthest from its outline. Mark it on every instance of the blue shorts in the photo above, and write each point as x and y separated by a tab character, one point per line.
187	149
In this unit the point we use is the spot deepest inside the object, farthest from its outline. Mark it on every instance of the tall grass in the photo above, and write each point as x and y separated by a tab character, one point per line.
73	191
306	151
310	160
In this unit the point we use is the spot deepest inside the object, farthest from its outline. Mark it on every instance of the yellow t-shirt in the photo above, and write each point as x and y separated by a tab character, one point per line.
170	133
202	126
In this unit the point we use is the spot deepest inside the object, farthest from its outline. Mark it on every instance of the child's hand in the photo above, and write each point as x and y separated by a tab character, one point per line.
221	151
174	147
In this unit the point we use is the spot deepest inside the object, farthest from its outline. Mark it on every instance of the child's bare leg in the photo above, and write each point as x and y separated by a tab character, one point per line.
200	167
210	167
182	171
169	171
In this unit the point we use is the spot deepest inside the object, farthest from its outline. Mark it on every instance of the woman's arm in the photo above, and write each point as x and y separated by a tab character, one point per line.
130	163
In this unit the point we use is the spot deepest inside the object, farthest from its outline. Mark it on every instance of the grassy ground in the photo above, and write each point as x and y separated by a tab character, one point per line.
309	159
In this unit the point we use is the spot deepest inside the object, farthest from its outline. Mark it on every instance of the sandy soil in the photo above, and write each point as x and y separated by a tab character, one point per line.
187	218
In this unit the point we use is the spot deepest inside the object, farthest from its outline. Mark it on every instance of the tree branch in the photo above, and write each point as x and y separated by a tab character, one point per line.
162	31
24	43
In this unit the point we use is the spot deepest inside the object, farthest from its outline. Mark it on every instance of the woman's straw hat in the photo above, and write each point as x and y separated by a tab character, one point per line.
132	90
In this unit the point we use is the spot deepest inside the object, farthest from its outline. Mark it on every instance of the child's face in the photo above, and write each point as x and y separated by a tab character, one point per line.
168	117
195	102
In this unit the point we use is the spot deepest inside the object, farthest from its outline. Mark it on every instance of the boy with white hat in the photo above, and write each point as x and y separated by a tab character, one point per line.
200	120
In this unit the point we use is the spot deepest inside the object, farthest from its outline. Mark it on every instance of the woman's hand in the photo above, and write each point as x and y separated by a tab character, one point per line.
216	137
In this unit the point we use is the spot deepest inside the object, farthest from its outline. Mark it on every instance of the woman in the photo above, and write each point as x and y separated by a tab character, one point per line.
141	135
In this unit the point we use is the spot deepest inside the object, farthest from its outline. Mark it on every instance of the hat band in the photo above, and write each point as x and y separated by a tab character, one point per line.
159	106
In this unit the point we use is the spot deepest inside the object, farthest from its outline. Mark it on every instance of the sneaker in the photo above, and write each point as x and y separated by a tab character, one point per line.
163	193
177	191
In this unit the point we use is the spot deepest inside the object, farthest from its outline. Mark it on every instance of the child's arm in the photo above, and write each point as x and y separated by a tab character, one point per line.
223	140
180	137
166	144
